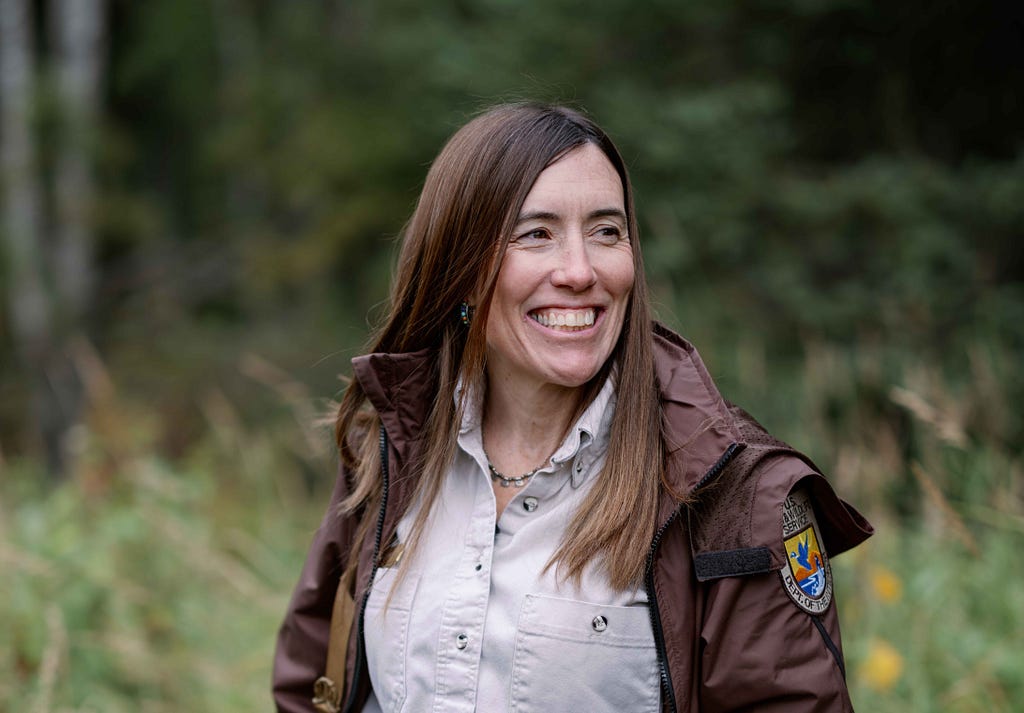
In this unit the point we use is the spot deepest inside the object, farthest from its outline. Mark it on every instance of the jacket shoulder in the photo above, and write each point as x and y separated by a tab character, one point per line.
736	521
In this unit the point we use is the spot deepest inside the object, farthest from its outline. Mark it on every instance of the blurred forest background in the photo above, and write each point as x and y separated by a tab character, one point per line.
200	200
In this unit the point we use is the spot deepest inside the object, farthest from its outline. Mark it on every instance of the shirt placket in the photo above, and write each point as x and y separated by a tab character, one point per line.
464	612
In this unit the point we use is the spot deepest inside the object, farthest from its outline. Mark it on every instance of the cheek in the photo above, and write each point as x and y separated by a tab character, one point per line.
622	278
504	309
501	302
629	280
512	288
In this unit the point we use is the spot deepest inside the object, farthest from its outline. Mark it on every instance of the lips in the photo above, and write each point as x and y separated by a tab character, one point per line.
567	320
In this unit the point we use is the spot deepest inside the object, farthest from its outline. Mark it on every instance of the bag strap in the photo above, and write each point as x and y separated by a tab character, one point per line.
328	688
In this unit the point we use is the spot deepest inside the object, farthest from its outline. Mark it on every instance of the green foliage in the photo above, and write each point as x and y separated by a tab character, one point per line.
831	197
948	625
149	586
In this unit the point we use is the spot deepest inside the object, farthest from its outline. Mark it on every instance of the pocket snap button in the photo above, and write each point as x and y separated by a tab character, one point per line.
599	623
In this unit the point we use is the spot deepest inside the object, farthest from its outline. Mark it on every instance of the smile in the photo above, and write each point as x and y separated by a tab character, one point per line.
567	320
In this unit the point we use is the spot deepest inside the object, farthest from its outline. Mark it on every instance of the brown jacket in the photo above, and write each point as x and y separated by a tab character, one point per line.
728	635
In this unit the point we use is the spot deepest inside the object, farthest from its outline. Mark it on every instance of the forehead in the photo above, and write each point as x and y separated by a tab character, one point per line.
583	175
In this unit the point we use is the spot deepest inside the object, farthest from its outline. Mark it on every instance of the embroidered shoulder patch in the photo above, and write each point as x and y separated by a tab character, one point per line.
807	576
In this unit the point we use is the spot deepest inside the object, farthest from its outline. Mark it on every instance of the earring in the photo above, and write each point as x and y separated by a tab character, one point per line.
465	313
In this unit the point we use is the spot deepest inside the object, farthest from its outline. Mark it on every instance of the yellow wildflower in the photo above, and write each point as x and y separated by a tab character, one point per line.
886	585
882	667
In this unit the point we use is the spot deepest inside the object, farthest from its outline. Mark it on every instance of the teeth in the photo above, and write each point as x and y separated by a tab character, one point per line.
570	320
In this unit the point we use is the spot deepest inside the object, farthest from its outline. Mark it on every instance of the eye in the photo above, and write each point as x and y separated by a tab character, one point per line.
609	234
532	236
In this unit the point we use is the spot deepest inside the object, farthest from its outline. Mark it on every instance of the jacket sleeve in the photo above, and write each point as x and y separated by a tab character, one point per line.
301	653
770	639
761	652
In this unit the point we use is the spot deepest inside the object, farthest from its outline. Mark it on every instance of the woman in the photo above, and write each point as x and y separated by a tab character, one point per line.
544	503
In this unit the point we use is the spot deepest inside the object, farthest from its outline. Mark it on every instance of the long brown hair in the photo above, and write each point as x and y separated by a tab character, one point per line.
452	248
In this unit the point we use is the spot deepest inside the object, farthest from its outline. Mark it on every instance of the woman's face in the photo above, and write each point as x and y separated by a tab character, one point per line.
561	294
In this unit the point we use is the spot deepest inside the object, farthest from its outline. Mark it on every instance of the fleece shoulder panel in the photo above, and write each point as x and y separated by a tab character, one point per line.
735	520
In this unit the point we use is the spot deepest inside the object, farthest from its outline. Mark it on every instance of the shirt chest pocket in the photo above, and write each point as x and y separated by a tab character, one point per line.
386	632
577	656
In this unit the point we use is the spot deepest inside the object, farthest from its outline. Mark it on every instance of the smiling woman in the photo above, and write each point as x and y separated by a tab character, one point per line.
544	503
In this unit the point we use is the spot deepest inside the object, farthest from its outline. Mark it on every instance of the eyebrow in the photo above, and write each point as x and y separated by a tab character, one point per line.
547	215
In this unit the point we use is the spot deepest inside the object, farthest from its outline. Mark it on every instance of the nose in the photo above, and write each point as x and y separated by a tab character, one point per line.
575	269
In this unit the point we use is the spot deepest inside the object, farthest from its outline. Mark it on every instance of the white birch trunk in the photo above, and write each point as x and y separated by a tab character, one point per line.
77	38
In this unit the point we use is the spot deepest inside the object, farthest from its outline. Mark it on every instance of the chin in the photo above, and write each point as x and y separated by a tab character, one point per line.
575	378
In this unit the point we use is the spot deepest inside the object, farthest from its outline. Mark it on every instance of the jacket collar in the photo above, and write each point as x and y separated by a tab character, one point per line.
400	387
696	423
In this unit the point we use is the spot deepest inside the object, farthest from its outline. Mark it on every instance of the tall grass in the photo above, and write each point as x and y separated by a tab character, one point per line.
157	585
144	584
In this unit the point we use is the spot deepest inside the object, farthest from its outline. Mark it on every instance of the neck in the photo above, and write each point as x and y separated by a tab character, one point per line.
524	424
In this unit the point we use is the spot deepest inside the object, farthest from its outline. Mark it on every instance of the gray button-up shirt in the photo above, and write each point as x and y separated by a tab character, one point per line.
477	625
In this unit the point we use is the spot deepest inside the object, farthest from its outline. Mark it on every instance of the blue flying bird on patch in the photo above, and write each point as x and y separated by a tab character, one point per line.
803	550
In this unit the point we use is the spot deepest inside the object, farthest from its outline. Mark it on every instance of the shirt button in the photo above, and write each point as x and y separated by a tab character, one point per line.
599	623
461	641
478	567
530	504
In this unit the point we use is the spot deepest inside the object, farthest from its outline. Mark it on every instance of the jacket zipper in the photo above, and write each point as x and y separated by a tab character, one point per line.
652	600
360	653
